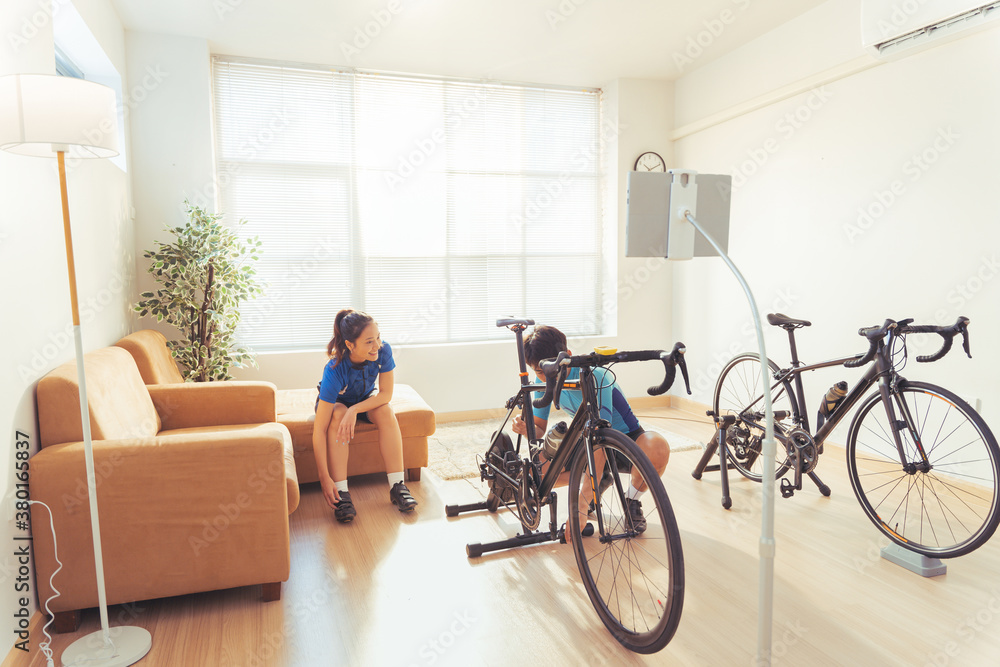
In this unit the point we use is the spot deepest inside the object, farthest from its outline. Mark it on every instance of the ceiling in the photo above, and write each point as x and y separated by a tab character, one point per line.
570	42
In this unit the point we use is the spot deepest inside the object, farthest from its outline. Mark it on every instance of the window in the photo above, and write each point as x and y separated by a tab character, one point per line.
436	205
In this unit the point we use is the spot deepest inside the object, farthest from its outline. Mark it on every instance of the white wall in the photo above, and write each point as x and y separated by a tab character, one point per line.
170	119
37	332
172	154
871	198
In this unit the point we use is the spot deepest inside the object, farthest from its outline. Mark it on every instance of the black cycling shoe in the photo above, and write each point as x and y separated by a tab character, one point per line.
635	514
345	511
401	498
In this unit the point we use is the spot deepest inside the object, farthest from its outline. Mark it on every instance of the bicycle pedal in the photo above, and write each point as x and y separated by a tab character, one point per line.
787	489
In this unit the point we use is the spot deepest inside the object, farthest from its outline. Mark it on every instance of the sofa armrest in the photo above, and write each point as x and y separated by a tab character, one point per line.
179	514
188	404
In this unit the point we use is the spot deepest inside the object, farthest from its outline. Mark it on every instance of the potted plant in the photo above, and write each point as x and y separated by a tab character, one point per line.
203	275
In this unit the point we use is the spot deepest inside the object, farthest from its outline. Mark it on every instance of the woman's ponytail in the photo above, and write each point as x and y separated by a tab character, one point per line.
347	326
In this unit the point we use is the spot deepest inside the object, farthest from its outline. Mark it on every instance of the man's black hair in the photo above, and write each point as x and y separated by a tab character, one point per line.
544	342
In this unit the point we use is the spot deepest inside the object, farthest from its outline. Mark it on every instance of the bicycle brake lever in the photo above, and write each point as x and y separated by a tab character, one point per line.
964	328
684	370
560	378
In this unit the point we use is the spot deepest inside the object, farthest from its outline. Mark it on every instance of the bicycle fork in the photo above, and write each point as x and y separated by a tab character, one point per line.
890	394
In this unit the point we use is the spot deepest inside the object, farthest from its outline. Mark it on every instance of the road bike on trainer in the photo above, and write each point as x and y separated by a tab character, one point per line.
632	568
923	463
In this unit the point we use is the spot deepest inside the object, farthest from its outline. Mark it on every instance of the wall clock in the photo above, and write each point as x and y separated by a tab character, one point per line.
650	161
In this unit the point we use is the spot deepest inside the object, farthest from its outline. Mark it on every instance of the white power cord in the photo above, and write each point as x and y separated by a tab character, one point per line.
46	646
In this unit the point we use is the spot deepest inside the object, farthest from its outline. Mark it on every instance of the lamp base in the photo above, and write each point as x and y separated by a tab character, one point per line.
131	644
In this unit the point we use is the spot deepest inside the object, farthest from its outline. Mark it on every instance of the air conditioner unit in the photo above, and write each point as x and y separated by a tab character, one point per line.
892	29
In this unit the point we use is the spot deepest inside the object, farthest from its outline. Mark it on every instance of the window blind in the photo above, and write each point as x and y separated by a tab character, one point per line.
436	205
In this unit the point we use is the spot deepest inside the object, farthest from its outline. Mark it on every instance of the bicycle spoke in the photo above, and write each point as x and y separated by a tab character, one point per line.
959	499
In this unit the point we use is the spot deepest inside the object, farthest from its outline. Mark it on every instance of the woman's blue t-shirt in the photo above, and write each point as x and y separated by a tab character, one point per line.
351	383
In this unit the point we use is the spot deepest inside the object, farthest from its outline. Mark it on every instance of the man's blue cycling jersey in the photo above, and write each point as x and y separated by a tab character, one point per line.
612	401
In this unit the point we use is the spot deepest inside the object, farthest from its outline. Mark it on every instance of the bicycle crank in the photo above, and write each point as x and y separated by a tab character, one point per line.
801	449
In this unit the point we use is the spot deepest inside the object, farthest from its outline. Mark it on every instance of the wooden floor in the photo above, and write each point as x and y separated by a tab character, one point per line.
394	589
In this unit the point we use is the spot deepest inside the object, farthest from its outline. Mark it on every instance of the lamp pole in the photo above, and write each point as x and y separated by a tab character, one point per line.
767	545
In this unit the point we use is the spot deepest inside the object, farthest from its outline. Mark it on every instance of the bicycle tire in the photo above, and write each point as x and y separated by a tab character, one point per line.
739	389
958	497
646	567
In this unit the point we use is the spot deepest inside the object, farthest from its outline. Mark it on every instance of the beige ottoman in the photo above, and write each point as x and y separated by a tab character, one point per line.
416	423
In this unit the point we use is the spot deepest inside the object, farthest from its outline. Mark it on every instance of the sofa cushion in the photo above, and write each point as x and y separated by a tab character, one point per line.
286	468
152	357
120	406
296	410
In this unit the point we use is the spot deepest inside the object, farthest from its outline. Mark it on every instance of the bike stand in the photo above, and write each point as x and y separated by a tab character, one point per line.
521	539
718	444
914	562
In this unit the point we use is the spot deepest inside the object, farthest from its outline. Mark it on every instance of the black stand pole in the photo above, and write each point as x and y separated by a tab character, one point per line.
718	444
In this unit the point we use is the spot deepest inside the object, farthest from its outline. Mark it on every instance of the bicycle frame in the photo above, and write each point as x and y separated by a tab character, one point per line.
880	372
572	441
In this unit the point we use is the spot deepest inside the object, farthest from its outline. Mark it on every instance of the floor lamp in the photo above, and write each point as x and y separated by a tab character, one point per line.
661	222
49	116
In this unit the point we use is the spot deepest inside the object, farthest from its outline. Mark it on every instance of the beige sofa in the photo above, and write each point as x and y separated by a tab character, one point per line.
194	483
296	410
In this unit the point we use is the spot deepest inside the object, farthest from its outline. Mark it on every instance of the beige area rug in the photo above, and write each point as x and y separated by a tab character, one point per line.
456	448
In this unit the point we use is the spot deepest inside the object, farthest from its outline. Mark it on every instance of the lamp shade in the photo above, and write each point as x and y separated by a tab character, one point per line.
41	114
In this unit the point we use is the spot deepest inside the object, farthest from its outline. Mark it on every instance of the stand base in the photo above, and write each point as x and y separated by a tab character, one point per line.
131	644
914	562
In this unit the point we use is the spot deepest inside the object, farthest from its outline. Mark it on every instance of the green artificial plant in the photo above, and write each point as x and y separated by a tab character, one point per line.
203	277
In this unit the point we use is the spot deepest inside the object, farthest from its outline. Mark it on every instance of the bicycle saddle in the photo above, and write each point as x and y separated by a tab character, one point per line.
786	322
507	321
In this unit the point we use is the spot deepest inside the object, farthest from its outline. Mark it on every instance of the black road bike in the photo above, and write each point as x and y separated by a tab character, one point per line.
923	463
632	569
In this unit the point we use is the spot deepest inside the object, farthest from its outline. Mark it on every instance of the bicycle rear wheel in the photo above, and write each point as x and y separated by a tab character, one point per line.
634	579
942	510
740	391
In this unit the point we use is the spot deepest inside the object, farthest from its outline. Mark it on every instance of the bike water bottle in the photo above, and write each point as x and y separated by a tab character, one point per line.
553	439
830	402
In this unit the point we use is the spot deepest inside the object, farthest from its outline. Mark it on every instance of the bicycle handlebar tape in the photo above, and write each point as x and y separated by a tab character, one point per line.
927	358
550	369
670	361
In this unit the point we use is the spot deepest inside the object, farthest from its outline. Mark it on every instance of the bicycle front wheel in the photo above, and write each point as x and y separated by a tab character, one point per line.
632	568
740	391
942	504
